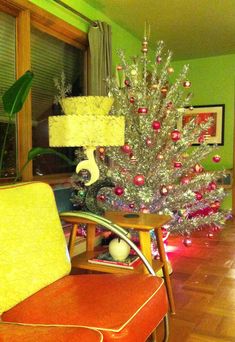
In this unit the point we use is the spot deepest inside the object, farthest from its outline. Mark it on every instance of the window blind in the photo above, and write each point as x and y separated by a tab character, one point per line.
49	58
7	78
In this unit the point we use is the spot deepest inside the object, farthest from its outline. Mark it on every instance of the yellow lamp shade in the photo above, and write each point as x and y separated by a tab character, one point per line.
80	105
86	130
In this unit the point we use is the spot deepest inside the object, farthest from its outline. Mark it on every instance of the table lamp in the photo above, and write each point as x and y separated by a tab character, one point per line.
86	123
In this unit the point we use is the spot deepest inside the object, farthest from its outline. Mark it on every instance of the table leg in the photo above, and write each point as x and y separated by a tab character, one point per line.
161	250
145	246
72	239
90	237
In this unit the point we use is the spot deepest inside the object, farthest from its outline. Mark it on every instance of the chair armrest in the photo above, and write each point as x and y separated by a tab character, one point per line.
122	233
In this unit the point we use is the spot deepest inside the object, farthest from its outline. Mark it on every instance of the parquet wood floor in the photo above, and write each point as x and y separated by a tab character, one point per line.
203	281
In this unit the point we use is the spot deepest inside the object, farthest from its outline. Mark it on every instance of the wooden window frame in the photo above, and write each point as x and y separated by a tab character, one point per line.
28	14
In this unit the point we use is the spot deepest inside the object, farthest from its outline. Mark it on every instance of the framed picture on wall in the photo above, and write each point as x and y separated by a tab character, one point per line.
215	133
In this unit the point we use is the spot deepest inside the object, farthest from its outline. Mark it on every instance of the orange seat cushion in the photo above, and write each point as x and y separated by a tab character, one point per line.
22	333
104	302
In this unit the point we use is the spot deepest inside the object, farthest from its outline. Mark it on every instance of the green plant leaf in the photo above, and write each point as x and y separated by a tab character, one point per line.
37	151
14	98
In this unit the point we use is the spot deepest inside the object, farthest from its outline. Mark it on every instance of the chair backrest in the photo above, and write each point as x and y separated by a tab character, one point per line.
33	251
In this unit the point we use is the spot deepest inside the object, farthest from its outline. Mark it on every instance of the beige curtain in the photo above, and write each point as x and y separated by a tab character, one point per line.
101	57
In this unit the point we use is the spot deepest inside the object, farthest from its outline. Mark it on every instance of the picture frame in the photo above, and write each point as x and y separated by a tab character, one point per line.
215	133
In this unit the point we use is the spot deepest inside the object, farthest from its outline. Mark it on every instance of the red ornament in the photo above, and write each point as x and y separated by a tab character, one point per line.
216	158
127	83
187	242
118	190
119	67
185	180
187	84
132	100
163	190
159	59
102	197
175	135
198	168
201	139
131	205
148	142
156	125
142	110
139	180
177	164
198	195
212	186
210	235
126	148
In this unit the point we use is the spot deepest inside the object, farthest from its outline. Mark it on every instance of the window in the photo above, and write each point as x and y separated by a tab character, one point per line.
47	46
7	77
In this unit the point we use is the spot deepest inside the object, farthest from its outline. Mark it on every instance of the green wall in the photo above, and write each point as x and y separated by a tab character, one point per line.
120	37
213	83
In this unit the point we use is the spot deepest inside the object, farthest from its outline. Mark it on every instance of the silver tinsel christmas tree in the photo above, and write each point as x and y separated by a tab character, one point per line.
155	171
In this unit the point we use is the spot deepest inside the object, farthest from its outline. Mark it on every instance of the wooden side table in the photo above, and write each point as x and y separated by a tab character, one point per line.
143	223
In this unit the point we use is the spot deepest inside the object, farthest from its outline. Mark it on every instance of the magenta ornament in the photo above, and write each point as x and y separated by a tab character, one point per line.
216	158
118	190
156	125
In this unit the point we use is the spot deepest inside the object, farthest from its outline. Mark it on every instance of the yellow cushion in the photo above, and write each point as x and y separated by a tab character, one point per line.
33	251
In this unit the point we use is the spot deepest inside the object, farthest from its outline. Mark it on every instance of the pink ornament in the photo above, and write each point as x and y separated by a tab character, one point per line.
187	242
216	158
148	142
177	164
198	168
132	100
185	180
175	135
163	190
133	159
169	105
156	125
139	180
158	59
187	84
131	205
142	110
118	190
144	210
198	195
126	148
